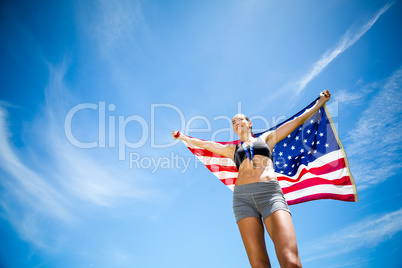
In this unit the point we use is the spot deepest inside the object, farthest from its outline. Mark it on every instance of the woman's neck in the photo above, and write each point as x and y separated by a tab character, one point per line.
245	137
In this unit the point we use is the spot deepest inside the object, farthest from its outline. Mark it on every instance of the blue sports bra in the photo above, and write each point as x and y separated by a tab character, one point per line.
259	146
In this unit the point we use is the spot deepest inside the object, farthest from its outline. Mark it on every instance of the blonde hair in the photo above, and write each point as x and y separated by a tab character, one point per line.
237	115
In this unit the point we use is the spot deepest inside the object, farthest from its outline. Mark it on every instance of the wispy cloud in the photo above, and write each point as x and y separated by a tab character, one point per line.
346	97
118	25
66	178
376	137
355	97
347	40
120	36
367	233
90	176
28	185
28	191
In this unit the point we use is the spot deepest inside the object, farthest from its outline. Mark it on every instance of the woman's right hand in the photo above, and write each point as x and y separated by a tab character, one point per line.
174	134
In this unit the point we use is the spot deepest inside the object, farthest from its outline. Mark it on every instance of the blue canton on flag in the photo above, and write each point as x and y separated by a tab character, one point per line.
311	163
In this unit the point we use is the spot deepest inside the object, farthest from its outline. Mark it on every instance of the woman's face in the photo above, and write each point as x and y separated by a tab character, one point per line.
241	124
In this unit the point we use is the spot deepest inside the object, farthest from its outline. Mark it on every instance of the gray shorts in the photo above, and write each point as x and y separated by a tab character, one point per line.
259	199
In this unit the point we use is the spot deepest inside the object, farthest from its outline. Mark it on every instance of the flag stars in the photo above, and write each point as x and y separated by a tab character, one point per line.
285	144
321	134
318	142
302	150
308	131
327	145
311	121
289	157
293	148
297	138
305	140
280	153
277	163
289	136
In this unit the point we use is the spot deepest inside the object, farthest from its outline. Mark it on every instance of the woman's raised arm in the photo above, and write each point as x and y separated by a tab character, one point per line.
283	131
224	150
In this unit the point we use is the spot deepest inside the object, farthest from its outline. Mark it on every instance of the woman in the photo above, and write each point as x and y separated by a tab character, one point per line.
257	198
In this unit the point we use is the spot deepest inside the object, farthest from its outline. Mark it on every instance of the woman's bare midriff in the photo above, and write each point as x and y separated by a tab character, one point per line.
260	169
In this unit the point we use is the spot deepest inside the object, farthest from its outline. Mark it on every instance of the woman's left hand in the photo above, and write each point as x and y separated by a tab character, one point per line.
325	96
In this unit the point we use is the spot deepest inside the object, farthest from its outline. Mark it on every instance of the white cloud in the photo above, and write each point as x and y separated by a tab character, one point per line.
346	97
27	185
374	144
365	234
49	180
86	177
117	26
347	40
356	97
27	194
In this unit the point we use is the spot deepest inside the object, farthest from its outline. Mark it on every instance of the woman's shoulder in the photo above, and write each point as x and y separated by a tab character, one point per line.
264	136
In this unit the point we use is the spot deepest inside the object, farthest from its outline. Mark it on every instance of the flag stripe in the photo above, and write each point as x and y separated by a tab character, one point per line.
329	177
204	152
229	181
206	160
347	197
226	175
217	168
303	170
314	181
316	171
320	189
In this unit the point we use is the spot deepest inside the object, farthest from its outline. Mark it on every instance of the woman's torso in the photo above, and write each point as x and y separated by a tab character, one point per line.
259	169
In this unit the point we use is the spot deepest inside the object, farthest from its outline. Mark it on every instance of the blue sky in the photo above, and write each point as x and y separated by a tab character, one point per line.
91	91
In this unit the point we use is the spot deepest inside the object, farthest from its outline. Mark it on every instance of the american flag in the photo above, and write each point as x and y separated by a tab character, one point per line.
310	163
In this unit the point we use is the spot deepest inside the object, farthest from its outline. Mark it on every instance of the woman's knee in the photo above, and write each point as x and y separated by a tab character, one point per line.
292	264
290	259
260	264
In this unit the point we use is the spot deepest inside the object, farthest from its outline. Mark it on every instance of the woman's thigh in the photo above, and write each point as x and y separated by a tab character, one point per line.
280	228
252	233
